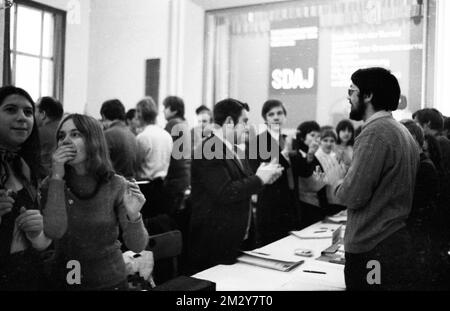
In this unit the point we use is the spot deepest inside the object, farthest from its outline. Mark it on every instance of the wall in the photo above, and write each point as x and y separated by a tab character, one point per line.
76	52
193	59
2	31
122	37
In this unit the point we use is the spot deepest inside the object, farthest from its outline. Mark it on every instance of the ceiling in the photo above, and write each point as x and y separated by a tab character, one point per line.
221	4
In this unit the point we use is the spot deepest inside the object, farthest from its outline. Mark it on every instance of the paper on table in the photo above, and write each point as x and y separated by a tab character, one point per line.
340	217
243	277
333	279
324	231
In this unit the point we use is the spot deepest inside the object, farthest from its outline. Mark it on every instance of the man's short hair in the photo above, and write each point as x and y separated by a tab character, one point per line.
269	105
202	109
113	110
431	115
52	107
415	130
149	109
227	108
382	84
175	103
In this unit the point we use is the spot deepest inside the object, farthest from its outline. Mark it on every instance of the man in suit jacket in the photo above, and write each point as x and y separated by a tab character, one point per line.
222	185
276	212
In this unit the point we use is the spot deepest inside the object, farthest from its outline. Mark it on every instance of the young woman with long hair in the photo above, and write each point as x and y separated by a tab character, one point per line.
21	223
85	204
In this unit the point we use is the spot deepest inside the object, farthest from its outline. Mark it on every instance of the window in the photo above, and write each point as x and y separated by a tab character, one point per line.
36	49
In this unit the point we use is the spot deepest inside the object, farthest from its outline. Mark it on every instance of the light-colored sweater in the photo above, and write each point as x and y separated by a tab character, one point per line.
88	230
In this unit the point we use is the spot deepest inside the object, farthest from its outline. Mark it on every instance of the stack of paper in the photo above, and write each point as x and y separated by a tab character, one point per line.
340	217
269	261
324	231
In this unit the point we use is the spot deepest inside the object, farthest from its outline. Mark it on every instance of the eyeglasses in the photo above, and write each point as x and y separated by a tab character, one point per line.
351	91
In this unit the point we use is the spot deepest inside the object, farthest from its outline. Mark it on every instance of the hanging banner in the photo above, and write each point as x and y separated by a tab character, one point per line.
294	48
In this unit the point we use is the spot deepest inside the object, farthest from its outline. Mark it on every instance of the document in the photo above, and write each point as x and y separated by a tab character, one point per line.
323	231
269	261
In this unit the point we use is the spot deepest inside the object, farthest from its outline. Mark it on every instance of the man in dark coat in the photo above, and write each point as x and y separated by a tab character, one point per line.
276	213
222	186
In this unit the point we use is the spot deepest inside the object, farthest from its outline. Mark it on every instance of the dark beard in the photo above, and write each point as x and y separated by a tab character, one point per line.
357	114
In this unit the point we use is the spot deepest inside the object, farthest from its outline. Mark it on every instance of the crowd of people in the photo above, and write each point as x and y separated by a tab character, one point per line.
74	188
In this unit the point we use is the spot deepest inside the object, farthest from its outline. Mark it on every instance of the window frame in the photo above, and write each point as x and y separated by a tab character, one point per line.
59	40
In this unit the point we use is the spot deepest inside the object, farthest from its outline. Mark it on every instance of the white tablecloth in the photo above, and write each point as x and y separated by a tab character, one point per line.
245	277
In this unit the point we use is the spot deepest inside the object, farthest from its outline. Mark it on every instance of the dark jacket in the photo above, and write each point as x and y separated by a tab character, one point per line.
276	213
178	177
221	193
47	138
122	149
425	194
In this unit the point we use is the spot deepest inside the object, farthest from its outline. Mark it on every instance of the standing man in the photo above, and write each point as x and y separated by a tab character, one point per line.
154	152
48	114
203	128
121	141
378	188
178	178
222	185
276	213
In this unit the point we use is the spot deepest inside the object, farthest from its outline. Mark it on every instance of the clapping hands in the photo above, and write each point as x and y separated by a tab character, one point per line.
269	172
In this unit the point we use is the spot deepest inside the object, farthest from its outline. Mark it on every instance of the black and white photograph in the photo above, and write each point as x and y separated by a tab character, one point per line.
224	150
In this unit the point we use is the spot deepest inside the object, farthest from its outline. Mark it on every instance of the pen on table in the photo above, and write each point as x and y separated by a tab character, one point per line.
312	271
321	231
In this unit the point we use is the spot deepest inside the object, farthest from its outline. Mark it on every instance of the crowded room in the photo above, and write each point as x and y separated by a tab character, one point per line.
224	145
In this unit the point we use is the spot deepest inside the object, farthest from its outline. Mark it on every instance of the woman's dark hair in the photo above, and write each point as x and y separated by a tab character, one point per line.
98	162
302	130
415	130
434	150
130	115
30	150
269	105
342	126
307	127
149	110
382	84
175	103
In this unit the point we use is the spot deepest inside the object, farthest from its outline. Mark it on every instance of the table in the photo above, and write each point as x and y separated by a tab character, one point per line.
245	277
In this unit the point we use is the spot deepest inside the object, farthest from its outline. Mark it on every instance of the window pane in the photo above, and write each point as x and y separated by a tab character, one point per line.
11	28
49	21
27	74
47	78
29	22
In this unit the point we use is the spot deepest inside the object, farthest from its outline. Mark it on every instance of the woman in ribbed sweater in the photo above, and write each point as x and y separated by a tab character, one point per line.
85	204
